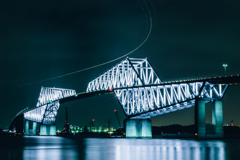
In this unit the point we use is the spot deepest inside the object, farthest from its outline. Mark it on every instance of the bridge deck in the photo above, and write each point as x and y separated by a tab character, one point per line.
218	79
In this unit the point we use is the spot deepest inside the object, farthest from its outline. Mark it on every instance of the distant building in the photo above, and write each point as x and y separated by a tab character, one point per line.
99	129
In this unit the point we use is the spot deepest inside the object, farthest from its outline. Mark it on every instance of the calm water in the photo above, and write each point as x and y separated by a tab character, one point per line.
50	148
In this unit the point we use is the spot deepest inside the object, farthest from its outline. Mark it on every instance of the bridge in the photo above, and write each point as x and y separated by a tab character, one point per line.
141	95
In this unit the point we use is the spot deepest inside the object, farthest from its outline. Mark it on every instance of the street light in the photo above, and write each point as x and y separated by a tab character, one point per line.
225	67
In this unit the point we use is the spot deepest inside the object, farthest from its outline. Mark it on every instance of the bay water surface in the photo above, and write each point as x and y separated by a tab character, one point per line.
76	148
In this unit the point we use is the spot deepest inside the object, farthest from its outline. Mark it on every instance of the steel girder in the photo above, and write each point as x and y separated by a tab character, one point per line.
146	102
48	105
141	93
51	112
35	115
130	72
51	94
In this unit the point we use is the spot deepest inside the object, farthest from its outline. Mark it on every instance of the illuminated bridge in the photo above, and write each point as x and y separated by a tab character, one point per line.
141	94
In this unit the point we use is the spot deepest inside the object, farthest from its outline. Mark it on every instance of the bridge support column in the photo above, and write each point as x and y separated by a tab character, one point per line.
200	118
217	118
138	128
48	130
53	131
30	128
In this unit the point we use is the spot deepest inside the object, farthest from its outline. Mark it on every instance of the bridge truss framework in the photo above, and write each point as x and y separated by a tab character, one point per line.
137	87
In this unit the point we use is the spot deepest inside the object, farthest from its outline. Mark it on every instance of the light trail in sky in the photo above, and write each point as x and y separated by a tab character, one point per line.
148	31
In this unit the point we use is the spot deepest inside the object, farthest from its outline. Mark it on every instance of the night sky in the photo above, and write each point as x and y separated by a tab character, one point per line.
45	39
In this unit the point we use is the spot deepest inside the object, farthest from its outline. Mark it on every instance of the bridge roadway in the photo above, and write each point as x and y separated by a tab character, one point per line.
218	79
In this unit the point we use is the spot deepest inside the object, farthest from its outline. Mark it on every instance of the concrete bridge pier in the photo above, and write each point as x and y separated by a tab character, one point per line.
217	119
136	128
48	130
200	118
30	128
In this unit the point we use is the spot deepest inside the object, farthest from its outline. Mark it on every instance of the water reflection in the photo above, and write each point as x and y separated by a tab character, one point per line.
142	149
73	148
39	148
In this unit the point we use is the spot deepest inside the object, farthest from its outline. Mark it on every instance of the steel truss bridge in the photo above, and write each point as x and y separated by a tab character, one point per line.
138	89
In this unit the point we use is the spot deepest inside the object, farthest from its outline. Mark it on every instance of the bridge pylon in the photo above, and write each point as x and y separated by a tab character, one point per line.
201	131
30	128
138	128
47	130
